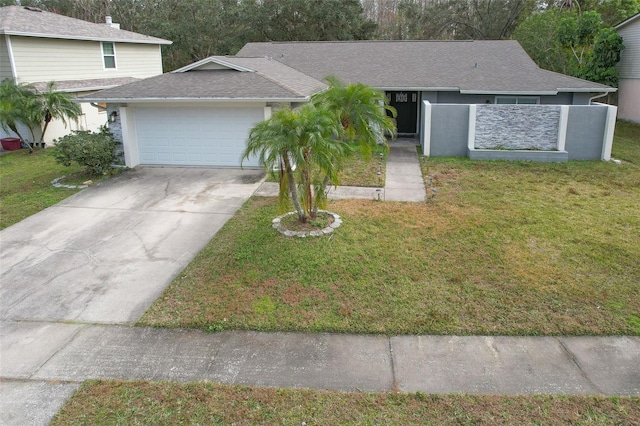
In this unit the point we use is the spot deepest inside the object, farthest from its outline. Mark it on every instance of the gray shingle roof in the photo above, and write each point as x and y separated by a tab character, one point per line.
469	66
18	20
215	84
85	85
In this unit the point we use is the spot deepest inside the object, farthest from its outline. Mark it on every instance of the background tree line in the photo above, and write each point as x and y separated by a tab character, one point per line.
569	36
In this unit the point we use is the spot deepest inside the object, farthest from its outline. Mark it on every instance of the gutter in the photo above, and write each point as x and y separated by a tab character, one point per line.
188	100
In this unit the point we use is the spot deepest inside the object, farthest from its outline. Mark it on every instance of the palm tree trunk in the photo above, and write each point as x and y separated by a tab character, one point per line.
293	189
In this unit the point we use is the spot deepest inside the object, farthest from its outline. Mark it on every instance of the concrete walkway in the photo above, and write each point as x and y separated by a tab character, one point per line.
44	358
43	363
403	180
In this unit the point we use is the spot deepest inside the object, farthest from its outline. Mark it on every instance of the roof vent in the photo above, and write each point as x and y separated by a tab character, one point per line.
33	9
476	65
108	20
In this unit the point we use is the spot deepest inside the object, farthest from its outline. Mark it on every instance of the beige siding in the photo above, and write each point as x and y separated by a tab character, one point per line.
629	66
629	99
40	59
5	64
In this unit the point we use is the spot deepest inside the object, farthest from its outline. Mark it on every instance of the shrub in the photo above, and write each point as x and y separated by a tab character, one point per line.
94	151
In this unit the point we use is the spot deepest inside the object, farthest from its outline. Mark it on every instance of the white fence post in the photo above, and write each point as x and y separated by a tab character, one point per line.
426	129
609	127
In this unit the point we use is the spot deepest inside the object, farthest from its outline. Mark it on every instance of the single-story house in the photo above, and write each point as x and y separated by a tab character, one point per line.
629	69
201	114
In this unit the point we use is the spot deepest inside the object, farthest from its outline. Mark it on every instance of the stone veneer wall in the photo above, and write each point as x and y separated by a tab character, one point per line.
116	130
517	127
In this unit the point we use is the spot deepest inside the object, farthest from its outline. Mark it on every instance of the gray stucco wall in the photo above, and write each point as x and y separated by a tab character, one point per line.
585	132
517	127
458	98
449	130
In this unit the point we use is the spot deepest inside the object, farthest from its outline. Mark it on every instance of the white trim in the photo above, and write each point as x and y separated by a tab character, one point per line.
471	141
12	63
214	60
426	128
69	37
562	127
267	112
129	137
609	127
104	55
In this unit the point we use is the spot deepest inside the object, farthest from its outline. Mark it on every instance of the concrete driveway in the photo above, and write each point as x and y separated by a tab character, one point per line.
104	254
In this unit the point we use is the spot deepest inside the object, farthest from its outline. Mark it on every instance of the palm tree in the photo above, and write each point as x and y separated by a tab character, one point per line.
301	145
56	105
362	111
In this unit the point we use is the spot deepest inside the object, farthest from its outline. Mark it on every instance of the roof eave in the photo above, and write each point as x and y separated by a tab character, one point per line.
627	21
184	100
68	37
590	90
510	92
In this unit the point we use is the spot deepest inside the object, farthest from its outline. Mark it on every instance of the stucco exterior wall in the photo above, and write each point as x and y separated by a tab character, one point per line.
458	98
585	132
449	130
40	59
519	132
629	99
517	127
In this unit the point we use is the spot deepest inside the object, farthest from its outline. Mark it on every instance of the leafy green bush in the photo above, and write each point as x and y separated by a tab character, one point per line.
94	151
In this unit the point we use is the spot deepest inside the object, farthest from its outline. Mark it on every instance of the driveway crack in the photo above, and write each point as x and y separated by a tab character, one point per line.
583	373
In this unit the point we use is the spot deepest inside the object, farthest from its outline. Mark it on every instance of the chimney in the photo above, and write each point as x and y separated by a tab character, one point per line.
109	22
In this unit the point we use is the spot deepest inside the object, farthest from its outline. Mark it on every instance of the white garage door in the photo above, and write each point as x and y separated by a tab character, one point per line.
195	136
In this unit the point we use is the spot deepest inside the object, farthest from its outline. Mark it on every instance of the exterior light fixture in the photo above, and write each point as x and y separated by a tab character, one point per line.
113	117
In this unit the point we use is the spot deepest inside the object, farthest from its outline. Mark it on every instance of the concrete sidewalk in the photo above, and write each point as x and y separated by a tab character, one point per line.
403	180
59	356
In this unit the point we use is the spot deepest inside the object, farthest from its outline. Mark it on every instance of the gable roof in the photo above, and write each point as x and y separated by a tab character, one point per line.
473	67
221	78
627	21
32	22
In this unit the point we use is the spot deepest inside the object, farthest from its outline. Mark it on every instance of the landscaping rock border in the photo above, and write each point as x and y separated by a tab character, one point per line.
277	224
57	184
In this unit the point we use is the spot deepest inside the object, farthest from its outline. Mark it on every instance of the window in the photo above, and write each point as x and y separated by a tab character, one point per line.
109	55
526	100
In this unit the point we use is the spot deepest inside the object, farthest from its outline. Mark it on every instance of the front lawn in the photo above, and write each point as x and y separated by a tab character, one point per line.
115	402
504	248
25	184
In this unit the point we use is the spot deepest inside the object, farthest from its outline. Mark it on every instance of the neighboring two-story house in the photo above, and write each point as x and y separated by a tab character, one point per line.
37	47
629	69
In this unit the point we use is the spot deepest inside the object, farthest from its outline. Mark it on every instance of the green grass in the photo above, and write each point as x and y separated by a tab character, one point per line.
25	184
504	248
362	172
135	403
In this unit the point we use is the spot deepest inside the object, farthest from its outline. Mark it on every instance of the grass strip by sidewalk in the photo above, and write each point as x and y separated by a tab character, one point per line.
137	403
504	249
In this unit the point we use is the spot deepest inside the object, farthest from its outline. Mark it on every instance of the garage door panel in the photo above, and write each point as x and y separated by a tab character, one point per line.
213	136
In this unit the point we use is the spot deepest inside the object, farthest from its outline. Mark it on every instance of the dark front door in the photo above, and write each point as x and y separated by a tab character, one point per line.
406	104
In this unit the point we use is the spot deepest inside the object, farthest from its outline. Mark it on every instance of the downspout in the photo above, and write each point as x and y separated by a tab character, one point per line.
598	96
12	62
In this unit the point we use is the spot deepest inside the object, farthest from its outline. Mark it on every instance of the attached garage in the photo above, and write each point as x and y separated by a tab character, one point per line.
201	114
195	136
